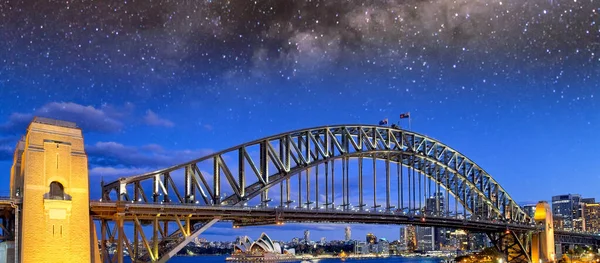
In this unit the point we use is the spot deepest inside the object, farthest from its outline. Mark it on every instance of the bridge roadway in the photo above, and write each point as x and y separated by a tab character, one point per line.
246	216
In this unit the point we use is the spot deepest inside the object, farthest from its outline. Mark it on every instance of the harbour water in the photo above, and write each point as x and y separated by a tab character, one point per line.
221	259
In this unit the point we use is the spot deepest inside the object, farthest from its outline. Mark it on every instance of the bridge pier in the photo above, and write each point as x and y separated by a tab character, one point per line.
50	178
542	245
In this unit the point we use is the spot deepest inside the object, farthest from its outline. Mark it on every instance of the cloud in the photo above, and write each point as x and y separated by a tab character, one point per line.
153	119
17	122
104	119
116	171
6	153
123	159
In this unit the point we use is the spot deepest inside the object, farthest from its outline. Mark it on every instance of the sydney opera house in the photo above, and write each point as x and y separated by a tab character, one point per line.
263	249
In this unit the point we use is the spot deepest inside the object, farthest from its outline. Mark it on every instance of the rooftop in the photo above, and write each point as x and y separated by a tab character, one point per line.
66	124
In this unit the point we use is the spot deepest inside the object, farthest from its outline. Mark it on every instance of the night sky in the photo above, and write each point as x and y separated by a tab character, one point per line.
513	85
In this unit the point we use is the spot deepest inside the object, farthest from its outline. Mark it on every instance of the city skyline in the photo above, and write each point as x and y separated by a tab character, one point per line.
513	86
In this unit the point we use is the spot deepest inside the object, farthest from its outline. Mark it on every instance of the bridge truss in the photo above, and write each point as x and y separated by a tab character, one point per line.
338	169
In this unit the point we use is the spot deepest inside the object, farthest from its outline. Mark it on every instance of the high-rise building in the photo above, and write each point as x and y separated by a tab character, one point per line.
425	238
361	247
434	204
410	237
592	218
402	239
589	200
567	208
459	240
347	233
306	236
371	239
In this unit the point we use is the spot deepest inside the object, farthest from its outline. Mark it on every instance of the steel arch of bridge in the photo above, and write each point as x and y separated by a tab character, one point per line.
285	155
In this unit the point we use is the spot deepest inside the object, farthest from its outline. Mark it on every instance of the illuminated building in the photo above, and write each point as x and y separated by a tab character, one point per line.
434	204
559	222
347	233
371	239
425	238
459	240
592	218
263	249
589	200
410	238
306	236
566	207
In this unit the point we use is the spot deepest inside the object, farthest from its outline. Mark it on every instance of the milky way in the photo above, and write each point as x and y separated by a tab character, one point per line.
160	43
512	84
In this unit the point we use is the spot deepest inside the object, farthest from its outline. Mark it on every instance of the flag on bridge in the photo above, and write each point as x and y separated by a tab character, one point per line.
383	122
404	115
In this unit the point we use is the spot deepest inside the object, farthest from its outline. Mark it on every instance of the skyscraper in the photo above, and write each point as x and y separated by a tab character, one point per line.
410	237
435	204
435	236
425	238
566	208
371	238
592	218
347	233
306	236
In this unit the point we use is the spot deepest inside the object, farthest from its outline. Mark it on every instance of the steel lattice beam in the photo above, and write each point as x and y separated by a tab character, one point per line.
285	155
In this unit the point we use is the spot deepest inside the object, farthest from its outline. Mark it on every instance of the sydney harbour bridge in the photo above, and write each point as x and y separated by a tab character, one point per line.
330	174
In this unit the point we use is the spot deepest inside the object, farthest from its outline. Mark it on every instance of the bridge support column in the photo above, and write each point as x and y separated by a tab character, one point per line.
542	245
52	179
511	244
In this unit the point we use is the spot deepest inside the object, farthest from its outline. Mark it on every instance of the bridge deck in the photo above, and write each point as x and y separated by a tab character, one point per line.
8	202
264	216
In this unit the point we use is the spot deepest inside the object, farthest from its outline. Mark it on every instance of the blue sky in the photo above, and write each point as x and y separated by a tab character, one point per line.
513	85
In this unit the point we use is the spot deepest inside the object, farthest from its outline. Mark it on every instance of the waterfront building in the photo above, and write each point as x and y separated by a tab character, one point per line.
592	218
306	236
361	247
371	239
410	238
442	239
347	233
382	247
458	240
589	200
478	241
425	238
434	205
567	207
263	249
